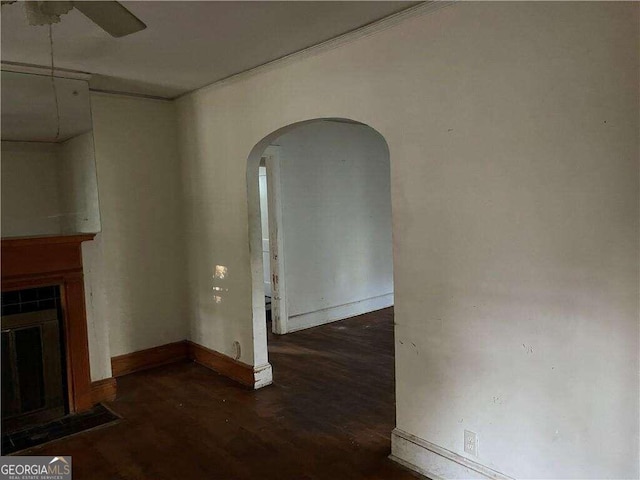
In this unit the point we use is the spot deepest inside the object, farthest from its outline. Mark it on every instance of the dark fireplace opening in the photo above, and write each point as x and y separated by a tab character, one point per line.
34	383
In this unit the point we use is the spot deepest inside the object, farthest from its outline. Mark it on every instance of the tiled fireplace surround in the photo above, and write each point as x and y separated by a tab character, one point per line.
29	266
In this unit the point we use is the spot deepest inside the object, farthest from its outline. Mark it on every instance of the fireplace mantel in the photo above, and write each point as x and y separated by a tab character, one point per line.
56	260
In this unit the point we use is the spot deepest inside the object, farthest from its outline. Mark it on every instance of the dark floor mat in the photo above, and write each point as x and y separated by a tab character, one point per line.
63	427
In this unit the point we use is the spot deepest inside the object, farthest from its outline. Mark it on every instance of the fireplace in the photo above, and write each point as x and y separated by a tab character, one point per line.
43	313
33	374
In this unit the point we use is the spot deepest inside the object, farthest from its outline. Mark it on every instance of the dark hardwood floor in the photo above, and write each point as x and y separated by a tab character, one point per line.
328	415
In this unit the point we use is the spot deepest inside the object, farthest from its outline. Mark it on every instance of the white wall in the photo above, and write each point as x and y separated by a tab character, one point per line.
513	132
137	267
49	188
31	199
96	299
78	188
336	209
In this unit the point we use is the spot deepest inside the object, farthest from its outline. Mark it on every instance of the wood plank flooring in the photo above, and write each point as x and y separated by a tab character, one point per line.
328	415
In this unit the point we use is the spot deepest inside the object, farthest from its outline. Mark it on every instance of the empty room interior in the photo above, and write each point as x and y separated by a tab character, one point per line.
320	239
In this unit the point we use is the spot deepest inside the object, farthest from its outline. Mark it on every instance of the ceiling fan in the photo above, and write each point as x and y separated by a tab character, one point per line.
111	16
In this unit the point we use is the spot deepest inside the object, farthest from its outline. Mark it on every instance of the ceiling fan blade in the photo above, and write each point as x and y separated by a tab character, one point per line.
112	17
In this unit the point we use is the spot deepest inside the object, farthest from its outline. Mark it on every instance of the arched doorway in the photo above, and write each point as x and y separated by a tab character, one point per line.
352	270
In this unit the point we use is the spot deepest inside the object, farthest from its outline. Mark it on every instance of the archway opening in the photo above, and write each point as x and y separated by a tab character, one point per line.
322	183
320	234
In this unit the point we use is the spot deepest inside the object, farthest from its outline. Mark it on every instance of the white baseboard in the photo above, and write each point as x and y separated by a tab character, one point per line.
262	375
435	462
340	312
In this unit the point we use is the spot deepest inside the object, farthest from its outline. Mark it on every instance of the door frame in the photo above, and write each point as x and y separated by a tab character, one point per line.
279	305
262	174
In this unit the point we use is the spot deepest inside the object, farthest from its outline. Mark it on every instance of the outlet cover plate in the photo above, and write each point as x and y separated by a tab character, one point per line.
471	443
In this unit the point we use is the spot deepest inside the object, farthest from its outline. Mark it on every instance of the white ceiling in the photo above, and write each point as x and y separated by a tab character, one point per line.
186	44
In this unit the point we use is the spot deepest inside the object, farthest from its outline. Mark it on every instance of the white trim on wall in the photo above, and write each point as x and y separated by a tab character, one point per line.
262	376
340	312
279	305
17	67
436	462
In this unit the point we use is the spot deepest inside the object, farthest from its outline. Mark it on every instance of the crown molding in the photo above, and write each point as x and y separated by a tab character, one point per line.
17	67
118	93
424	8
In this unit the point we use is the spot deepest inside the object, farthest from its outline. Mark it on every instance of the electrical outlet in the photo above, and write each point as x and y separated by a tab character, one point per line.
471	443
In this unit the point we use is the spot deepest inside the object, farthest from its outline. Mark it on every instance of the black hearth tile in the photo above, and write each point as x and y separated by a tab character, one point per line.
29	307
41	437
47	304
54	430
69	419
45	293
7	444
29	295
10	298
53	427
10	309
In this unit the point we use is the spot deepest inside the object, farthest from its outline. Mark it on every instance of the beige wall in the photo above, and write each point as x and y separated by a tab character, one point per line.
78	187
31	199
136	282
513	132
49	188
